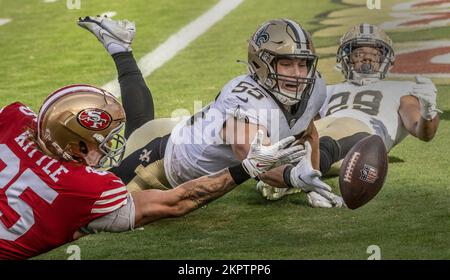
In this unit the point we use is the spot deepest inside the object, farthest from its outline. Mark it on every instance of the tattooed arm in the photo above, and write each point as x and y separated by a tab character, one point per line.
147	206
152	205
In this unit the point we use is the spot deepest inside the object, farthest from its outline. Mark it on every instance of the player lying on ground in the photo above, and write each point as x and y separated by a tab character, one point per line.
49	189
281	95
367	104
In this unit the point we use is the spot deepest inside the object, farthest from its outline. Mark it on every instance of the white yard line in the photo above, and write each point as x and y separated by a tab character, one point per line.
178	41
4	21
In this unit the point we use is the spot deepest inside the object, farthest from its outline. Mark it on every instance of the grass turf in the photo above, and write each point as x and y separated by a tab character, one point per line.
43	49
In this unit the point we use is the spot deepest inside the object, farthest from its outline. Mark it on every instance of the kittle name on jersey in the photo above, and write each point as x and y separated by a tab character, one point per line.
50	166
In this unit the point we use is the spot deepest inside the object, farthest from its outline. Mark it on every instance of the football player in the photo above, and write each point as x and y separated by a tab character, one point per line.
281	95
366	103
48	186
50	193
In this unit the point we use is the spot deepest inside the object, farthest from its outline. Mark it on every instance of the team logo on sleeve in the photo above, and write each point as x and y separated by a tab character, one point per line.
95	119
369	174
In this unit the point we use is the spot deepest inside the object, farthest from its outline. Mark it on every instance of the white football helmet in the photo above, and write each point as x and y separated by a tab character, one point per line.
365	35
76	118
281	38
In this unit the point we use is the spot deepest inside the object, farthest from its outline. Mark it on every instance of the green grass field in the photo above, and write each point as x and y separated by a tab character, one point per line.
42	49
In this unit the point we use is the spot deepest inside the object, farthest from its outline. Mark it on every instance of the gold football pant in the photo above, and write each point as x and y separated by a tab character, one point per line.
143	164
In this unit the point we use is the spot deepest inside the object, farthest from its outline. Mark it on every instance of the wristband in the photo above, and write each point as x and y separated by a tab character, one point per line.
239	174
287	176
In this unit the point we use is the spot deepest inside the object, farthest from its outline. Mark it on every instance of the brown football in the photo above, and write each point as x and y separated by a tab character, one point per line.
363	171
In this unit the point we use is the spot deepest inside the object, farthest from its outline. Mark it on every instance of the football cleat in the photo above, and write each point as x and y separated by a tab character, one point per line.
273	193
115	35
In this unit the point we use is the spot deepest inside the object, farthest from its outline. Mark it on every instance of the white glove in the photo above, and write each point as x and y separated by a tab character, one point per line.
305	177
273	193
425	91
315	200
263	158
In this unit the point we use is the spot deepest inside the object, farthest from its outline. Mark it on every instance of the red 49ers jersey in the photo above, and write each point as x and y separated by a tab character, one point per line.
43	201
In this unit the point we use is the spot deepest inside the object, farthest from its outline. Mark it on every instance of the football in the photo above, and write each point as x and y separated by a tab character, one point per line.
363	171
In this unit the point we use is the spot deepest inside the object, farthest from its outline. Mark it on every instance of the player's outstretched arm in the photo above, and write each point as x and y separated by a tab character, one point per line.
275	177
144	207
307	178
416	125
418	111
238	133
151	205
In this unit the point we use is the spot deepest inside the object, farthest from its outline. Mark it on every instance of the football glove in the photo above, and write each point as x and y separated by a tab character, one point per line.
263	158
305	177
316	200
425	91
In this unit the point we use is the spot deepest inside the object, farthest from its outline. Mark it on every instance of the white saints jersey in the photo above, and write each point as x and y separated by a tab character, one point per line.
375	104
196	148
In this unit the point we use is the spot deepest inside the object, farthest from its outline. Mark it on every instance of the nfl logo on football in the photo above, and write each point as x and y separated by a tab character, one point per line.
369	174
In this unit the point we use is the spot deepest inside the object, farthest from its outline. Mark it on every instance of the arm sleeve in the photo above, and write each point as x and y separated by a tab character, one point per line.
119	220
